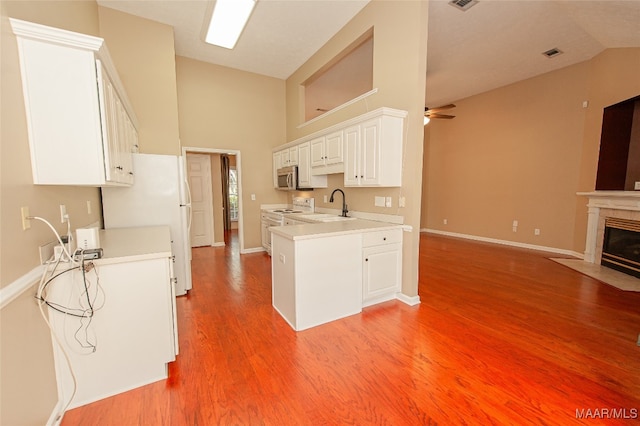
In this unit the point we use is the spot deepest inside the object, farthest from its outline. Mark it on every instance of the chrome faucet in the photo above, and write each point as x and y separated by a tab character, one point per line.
344	202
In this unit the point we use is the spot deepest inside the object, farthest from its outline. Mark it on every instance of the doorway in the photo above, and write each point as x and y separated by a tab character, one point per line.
214	176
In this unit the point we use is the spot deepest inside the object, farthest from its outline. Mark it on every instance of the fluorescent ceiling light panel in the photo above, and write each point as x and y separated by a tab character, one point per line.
227	22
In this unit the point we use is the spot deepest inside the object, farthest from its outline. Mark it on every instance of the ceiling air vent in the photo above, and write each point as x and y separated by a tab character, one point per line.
552	52
463	5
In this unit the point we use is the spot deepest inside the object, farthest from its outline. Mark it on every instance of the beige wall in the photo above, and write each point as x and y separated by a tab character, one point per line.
399	71
27	382
144	54
613	77
521	152
223	108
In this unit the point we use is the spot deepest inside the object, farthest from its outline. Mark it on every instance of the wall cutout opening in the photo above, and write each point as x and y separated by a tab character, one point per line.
345	77
619	159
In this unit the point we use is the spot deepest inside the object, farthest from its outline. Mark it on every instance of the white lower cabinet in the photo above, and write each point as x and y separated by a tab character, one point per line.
132	334
329	276
381	266
317	280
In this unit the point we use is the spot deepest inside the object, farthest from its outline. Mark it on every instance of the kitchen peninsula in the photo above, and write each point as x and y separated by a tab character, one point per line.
322	272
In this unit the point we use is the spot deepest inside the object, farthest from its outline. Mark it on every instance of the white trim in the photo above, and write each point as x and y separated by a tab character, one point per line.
252	250
379	112
505	242
12	291
339	107
235	152
409	300
56	415
218	244
55	35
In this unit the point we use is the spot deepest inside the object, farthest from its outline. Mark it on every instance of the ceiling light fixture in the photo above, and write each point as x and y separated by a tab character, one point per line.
228	20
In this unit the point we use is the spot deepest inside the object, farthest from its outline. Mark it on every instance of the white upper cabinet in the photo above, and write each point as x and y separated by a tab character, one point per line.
327	154
367	149
373	153
82	129
305	178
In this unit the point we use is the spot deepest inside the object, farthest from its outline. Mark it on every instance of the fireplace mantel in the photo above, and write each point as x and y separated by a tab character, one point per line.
623	204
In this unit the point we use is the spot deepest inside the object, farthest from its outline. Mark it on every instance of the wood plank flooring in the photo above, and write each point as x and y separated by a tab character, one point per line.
502	336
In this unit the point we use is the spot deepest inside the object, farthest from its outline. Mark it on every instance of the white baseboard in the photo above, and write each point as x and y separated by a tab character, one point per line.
409	300
252	250
56	415
218	244
505	242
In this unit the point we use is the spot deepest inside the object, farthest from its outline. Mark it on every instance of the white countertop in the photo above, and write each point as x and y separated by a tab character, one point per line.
134	244
330	229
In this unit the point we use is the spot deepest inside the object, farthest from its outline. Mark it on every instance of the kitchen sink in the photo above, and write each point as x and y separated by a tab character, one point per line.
322	217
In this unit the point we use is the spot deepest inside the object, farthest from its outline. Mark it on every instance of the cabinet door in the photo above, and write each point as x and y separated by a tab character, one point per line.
351	156
333	148
382	269
293	156
276	165
284	158
266	235
109	111
317	152
370	153
304	166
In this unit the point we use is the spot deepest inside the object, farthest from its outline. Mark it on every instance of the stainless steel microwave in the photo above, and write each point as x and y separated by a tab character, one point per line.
288	178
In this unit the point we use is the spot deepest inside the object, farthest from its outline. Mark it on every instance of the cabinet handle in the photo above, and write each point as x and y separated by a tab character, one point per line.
367	259
131	173
119	168
384	239
361	177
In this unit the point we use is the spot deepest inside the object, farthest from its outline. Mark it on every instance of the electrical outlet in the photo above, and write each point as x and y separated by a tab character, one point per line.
89	207
445	221
253	197
402	202
63	213
26	222
536	231
387	202
637	186
515	223
325	199
379	201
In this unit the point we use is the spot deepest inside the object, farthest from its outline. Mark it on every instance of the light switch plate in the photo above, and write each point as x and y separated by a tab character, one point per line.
388	202
379	202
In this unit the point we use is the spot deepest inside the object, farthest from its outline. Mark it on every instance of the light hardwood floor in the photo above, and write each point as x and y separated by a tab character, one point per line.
502	336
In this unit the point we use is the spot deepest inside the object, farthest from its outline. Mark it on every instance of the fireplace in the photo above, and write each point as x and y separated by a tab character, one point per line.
621	245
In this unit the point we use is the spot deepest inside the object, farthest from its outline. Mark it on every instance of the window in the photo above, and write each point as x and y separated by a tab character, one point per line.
233	194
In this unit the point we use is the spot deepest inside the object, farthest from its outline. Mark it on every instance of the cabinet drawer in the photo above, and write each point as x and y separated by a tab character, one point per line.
376	238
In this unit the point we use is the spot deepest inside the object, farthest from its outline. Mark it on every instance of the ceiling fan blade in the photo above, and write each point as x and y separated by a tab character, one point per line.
436	115
440	108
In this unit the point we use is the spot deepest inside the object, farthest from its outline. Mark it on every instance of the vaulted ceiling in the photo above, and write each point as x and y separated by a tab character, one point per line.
493	43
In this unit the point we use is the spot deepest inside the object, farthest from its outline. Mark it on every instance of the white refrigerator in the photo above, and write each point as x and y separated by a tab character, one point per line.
159	196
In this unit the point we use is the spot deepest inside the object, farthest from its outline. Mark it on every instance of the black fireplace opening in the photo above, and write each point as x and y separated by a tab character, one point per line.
621	246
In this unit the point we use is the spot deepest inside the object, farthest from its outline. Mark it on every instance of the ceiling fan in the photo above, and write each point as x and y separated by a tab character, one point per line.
430	113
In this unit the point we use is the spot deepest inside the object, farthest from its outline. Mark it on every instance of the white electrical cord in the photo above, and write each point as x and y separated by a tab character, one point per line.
41	302
64	248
